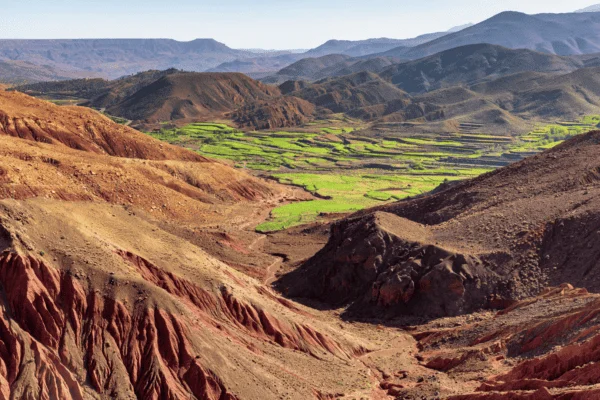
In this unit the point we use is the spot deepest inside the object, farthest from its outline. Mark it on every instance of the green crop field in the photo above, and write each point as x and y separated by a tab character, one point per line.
348	172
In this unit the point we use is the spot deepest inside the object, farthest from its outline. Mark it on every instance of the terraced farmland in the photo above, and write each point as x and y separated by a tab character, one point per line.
348	170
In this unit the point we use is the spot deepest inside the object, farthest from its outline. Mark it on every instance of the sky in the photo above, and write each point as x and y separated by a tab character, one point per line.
267	24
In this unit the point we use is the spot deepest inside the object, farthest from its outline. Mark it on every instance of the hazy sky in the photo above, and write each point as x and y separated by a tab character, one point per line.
272	24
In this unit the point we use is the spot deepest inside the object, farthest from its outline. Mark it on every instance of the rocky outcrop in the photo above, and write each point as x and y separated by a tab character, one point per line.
481	243
544	346
57	333
383	271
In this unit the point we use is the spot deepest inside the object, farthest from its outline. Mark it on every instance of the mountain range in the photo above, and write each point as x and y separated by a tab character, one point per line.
560	34
594	8
504	89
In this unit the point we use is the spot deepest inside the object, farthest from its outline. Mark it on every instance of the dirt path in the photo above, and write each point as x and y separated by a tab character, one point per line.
272	270
261	238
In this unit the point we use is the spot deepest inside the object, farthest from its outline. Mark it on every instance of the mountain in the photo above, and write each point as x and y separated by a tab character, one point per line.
312	69
567	96
152	97
363	95
466	65
503	89
481	243
113	58
459	28
356	48
23	72
258	65
594	8
307	68
508	104
561	34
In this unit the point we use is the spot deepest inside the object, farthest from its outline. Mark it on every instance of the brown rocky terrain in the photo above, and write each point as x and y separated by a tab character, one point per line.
545	347
130	269
281	112
103	296
363	95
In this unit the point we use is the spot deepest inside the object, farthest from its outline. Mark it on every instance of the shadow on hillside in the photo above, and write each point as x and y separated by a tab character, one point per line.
348	311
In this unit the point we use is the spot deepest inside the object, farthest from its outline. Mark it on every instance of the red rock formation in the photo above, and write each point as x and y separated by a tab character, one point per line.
556	333
52	330
231	311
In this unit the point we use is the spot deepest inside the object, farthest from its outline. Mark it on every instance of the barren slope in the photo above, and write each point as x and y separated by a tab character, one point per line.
79	128
154	97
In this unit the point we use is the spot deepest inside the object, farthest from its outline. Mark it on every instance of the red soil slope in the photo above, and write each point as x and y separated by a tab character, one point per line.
79	128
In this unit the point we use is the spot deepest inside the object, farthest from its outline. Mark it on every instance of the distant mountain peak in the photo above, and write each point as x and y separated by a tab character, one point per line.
594	8
509	15
460	28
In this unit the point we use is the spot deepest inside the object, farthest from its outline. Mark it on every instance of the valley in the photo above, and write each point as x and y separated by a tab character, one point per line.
365	219
350	166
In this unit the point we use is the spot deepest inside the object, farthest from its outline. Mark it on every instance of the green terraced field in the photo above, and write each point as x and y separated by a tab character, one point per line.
349	172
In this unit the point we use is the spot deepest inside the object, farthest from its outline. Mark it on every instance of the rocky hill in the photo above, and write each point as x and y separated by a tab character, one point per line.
363	95
152	97
467	65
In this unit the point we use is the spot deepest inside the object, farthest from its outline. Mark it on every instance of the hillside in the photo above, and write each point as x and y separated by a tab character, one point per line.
190	96
152	97
79	128
569	95
265	64
313	69
542	96
363	95
467	65
24	72
501	88
357	48
309	67
561	34
594	8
